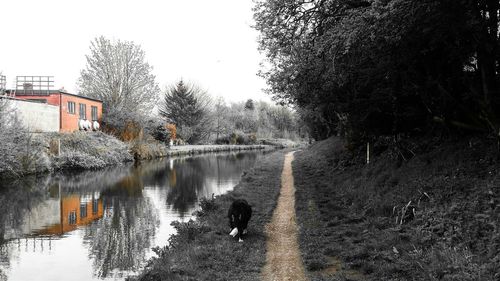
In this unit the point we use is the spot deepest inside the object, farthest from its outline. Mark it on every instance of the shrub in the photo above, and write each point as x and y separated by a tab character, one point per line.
89	150
207	206
147	149
22	154
161	134
187	231
73	160
237	138
172	130
159	130
223	140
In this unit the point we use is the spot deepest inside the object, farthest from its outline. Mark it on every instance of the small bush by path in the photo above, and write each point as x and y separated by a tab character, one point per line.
203	250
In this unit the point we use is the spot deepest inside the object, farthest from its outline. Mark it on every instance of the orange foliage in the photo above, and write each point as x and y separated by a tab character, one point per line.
131	131
173	130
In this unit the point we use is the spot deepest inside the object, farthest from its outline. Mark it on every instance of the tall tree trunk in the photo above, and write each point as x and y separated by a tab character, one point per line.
488	55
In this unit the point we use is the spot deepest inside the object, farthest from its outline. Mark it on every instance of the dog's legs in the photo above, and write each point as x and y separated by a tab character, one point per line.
245	226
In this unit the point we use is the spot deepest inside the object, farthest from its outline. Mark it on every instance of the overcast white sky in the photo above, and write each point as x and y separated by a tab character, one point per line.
208	42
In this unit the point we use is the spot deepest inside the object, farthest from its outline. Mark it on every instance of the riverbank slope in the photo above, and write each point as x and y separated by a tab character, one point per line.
203	250
428	209
39	153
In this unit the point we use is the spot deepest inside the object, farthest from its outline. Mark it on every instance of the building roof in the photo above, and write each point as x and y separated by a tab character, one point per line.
22	100
46	93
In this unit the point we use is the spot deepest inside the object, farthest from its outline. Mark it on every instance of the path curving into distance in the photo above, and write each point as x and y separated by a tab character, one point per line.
283	260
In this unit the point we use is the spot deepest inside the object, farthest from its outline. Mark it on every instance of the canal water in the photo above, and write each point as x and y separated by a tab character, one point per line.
101	225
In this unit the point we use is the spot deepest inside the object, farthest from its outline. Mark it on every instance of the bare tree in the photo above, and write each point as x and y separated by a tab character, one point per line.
220	112
118	74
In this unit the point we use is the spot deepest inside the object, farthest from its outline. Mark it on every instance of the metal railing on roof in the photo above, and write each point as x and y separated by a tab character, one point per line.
27	85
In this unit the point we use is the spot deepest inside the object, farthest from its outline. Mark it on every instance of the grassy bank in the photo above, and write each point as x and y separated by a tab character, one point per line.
203	250
432	216
86	150
27	154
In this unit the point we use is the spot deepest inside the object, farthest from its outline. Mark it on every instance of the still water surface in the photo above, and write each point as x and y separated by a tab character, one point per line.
101	225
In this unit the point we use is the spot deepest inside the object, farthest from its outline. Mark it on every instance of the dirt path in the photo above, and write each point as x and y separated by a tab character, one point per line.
283	261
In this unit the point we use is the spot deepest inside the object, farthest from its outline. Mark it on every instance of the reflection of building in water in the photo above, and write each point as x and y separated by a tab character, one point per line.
75	210
57	215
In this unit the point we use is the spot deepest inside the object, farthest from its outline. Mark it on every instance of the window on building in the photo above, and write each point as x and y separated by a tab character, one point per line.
95	206
83	210
72	218
94	113
71	107
83	111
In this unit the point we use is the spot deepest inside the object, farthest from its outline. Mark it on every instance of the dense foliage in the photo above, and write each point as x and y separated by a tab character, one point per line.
384	67
251	120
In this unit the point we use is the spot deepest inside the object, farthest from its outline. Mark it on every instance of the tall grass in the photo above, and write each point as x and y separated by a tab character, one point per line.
432	215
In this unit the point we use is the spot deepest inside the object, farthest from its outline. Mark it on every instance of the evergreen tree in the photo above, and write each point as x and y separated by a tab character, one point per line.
187	107
249	105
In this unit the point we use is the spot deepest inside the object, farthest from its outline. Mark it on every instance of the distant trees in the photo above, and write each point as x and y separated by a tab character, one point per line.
366	68
200	118
263	121
117	73
188	107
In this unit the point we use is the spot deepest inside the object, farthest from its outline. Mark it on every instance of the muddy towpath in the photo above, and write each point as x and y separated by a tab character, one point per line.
283	259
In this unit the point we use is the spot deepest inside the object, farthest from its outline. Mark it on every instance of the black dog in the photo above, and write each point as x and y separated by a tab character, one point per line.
239	214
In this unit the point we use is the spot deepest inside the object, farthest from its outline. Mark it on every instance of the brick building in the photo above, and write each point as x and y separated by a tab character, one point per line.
72	108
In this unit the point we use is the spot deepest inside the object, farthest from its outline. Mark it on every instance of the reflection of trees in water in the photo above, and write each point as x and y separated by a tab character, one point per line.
192	174
189	180
153	172
92	180
17	198
121	239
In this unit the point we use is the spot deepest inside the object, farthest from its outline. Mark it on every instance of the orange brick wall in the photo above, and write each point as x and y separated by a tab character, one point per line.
69	121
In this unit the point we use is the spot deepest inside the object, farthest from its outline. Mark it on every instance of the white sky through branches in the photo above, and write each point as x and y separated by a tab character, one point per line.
210	43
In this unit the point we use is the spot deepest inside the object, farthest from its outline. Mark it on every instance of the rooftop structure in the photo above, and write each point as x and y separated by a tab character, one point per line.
30	84
75	112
